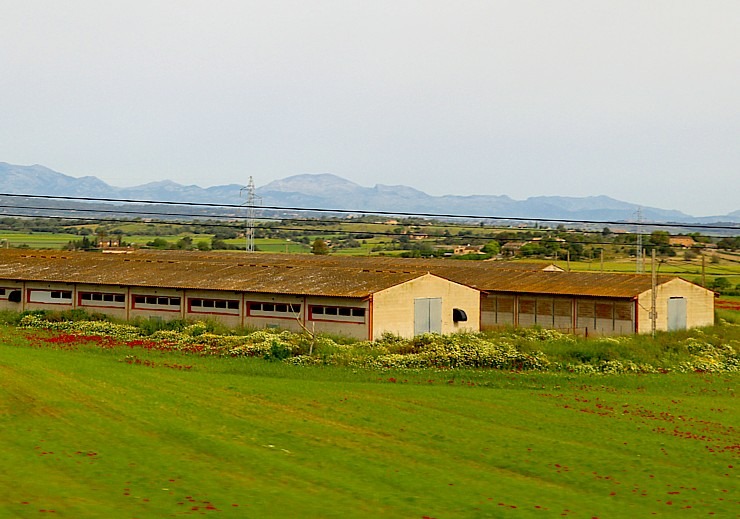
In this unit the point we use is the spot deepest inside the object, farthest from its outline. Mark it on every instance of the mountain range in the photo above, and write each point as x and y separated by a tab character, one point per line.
326	191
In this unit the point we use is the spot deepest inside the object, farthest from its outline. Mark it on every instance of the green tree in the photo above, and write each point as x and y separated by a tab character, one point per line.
492	248
158	243
320	247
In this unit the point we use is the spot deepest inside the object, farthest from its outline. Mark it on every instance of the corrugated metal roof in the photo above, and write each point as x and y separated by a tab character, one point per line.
138	270
306	274
500	276
378	262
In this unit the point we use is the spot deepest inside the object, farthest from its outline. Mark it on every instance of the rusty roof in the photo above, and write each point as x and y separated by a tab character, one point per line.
137	270
306	274
490	276
393	262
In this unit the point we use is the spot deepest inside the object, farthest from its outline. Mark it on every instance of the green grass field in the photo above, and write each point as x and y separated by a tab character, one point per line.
93	429
36	240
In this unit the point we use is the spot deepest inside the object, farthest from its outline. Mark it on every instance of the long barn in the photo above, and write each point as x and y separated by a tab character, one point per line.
358	297
238	291
517	293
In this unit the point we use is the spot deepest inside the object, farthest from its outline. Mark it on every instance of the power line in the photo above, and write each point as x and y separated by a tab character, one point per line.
324	231
272	219
384	213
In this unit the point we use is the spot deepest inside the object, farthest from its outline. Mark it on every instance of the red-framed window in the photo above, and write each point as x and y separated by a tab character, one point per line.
156	303
102	299
49	297
341	314
274	310
202	305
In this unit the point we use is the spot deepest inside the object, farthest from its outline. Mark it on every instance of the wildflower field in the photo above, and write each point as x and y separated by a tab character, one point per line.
102	420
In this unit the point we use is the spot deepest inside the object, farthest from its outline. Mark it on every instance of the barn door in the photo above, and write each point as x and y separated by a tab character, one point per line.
427	315
676	313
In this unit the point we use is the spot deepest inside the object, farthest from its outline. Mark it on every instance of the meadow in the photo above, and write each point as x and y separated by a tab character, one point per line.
93	426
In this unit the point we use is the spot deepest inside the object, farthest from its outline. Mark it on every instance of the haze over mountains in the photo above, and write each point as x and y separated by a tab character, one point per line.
326	191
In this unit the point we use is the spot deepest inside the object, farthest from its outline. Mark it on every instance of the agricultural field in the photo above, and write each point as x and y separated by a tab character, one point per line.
690	270
114	426
36	240
357	238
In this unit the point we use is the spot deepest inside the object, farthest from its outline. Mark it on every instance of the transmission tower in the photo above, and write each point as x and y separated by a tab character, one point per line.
638	252
252	199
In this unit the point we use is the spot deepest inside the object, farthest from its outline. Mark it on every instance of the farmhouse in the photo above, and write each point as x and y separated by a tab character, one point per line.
682	241
360	297
357	302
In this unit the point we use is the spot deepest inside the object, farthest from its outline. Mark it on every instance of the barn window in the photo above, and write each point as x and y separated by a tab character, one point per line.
162	303
102	299
54	297
279	310
344	314
216	306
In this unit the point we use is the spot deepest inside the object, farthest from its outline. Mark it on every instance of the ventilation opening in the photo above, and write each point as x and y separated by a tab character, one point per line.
459	315
15	296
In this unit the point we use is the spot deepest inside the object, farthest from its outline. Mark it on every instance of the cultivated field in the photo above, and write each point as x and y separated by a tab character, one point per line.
97	428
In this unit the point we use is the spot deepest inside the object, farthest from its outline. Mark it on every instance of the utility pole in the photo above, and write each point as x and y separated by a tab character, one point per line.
602	261
653	295
250	204
703	265
638	253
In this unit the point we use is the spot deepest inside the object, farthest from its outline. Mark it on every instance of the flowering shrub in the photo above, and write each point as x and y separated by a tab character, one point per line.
540	334
707	357
122	332
609	367
513	350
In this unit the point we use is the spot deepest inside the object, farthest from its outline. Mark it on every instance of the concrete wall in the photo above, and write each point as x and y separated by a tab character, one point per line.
286	319
103	299
6	287
166	304
45	296
350	317
211	305
699	305
393	308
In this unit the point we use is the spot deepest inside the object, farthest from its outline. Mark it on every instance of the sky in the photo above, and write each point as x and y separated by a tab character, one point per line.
635	99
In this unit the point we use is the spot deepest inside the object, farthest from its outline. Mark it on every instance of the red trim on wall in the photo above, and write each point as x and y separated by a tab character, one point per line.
67	302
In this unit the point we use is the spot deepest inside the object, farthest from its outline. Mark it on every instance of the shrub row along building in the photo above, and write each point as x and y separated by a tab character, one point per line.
357	297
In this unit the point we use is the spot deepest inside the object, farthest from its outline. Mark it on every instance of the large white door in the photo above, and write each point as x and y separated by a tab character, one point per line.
427	315
676	313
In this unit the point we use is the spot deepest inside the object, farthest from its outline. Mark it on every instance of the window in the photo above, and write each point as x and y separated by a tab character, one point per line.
2	291
344	314
56	297
200	305
163	303
103	299
279	310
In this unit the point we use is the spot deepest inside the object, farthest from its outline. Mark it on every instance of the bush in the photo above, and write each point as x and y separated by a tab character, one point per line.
714	349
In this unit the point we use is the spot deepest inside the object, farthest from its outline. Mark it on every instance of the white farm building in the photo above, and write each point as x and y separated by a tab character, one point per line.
239	291
357	297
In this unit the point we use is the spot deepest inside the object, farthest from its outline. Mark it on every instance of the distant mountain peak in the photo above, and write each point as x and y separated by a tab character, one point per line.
328	191
319	184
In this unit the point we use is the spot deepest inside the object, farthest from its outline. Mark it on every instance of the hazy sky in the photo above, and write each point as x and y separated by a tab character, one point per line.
638	100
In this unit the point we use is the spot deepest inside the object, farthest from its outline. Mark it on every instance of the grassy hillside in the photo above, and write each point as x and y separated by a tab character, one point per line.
90	428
